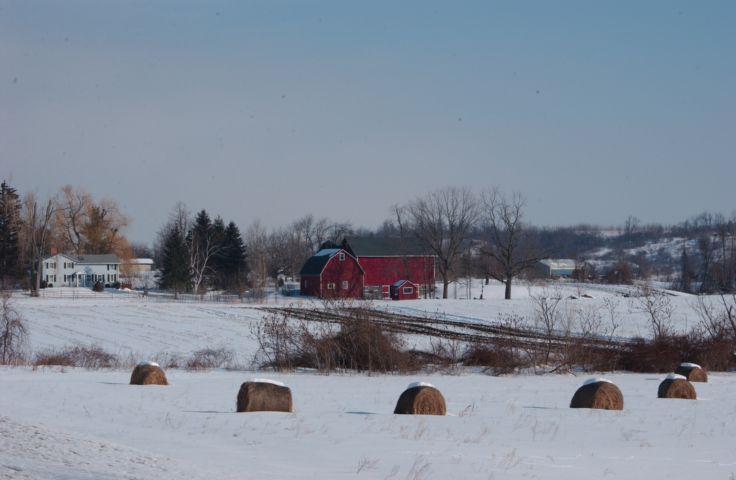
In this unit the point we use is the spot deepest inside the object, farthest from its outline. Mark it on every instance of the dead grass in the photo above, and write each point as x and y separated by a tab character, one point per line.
91	357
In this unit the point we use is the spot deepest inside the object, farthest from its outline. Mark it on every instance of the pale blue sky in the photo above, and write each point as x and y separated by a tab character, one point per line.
270	110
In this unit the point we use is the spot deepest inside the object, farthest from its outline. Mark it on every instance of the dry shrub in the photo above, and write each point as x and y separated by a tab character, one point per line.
659	355
692	373
261	396
598	394
355	343
210	358
500	359
421	400
364	346
591	357
92	357
676	388
148	374
168	360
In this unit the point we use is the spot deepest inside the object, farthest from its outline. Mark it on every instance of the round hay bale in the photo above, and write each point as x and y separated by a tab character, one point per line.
676	386
598	393
421	399
692	372
148	373
262	395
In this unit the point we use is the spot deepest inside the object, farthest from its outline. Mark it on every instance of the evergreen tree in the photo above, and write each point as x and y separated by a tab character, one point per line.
176	273
9	229
232	267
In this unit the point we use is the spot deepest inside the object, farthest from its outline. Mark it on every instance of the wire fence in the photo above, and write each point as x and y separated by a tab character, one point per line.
73	293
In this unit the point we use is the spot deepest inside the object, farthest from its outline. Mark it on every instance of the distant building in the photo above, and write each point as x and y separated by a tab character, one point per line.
382	261
80	270
136	265
404	290
556	267
332	273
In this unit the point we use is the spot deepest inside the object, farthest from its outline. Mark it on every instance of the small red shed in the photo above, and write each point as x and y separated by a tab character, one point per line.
404	290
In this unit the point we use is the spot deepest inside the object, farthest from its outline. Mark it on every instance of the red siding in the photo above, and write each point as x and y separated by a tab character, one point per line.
342	274
387	270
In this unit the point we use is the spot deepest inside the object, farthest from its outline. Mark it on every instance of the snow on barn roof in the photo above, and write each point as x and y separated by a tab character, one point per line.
399	283
316	263
559	263
327	251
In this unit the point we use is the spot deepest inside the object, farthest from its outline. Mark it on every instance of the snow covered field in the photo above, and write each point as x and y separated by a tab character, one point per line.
77	424
139	328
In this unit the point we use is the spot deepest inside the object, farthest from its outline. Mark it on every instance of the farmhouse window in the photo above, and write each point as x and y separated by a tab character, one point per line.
330	286
408	290
344	284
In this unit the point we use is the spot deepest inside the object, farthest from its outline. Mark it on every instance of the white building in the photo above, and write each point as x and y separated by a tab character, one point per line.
63	270
138	273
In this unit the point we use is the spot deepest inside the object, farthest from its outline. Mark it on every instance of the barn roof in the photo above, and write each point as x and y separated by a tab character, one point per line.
316	263
399	283
387	247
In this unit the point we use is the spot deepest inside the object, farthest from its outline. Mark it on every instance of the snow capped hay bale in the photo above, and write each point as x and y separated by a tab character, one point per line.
148	373
692	372
263	395
676	386
421	398
598	393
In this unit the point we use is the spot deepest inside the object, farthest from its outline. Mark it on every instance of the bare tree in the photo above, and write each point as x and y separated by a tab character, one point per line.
658	308
12	331
256	241
442	220
547	316
509	249
87	226
72	206
37	224
718	318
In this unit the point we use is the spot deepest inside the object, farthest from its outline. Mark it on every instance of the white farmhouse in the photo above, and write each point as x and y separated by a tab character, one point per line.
80	270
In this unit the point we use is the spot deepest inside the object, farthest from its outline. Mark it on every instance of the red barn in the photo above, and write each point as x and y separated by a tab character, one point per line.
332	273
387	260
381	261
404	290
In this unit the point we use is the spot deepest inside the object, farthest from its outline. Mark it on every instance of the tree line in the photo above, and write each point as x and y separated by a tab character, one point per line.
71	221
471	235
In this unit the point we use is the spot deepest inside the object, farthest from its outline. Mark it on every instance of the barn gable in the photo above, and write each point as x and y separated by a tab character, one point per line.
331	272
